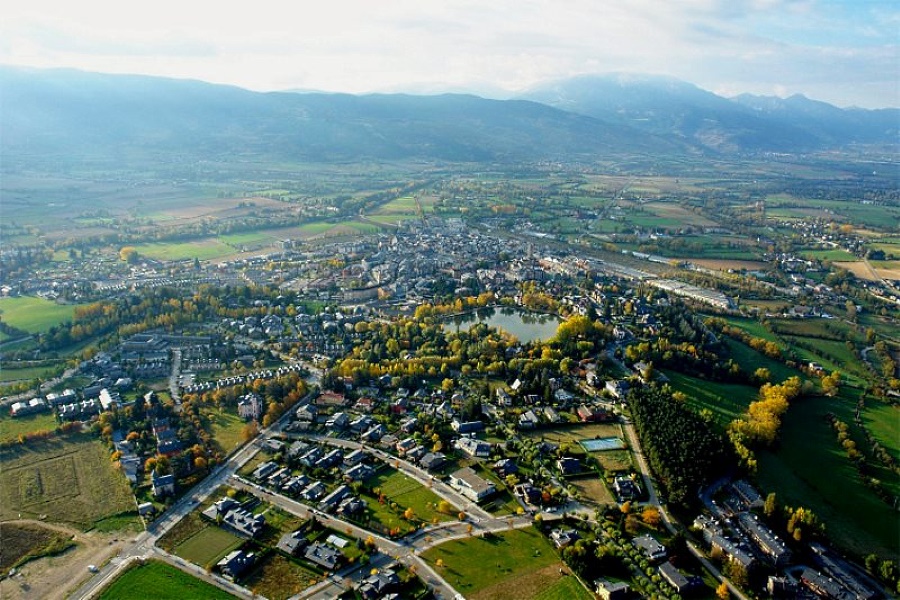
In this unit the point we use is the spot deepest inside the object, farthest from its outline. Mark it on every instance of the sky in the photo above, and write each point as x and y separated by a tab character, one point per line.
845	52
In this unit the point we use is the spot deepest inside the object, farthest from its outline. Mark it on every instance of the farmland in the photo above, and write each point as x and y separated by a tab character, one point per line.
516	564
167	583
34	314
67	479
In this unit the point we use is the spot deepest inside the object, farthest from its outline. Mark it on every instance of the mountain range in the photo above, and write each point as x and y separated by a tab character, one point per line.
64	115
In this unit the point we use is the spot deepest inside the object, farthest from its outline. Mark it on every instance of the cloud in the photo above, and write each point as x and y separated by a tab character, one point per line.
359	45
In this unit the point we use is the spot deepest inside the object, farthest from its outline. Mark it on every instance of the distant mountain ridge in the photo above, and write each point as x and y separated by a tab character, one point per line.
65	112
666	106
65	115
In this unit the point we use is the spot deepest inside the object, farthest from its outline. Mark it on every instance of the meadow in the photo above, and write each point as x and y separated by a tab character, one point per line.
165	581
33	314
515	565
201	249
67	479
11	428
810	469
726	401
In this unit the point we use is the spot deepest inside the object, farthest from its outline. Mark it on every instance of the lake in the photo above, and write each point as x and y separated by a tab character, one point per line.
525	325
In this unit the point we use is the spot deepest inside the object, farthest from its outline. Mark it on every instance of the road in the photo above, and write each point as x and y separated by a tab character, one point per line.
671	524
440	488
143	545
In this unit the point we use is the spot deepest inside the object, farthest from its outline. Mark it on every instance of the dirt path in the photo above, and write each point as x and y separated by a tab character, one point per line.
52	577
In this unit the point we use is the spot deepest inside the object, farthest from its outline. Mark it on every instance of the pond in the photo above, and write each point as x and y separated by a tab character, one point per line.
527	326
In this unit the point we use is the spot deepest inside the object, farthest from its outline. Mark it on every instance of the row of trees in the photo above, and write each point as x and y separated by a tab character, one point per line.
683	449
759	426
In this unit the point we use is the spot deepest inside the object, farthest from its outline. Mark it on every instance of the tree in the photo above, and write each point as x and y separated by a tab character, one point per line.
129	254
651	516
250	431
409	514
439	563
722	591
771	505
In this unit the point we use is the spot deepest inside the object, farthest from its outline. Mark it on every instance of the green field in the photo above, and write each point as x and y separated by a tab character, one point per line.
11	428
205	249
566	588
754	328
750	360
727	401
518	564
883	420
829	255
226	429
29	373
810	469
34	314
163	582
406	493
208	545
67	479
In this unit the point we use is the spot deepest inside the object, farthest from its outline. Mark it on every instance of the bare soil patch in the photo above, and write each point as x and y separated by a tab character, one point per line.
725	264
860	269
53	577
520	588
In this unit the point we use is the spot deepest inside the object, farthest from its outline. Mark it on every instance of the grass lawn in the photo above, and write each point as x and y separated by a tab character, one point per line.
409	493
565	588
165	581
277	578
68	479
208	545
226	429
810	469
34	314
29	373
10	427
727	401
516	564
754	328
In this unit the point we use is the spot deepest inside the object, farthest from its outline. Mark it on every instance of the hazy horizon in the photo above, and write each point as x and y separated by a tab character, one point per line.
846	54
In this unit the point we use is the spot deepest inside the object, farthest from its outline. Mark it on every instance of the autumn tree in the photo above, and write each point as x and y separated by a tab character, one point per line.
722	591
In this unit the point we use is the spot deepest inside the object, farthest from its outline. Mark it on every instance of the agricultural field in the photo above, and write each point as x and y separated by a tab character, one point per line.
513	565
24	542
278	578
68	479
167	583
11	428
208	546
33	314
810	469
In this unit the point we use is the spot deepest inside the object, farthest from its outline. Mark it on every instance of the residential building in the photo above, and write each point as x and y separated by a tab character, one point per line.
470	485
